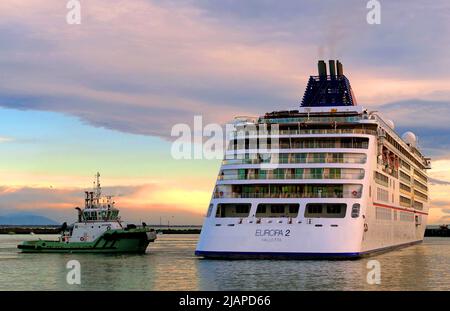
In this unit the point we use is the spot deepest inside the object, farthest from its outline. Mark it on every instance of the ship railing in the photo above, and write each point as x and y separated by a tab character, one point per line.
304	132
294	160
234	195
316	144
312	119
310	145
293	176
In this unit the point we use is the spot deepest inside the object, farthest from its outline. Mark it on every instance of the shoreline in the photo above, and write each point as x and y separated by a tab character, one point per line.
57	230
180	230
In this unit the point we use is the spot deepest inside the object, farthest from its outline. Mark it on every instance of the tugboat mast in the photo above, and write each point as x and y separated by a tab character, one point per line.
97	188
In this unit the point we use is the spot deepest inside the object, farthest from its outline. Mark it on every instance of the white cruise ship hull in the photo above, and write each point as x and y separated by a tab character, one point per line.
303	239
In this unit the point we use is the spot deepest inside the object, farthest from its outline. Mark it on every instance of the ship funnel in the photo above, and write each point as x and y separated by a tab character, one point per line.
331	89
332	68
322	66
339	68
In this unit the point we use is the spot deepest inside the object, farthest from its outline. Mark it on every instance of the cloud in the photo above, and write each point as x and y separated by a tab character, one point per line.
150	201
140	77
439	203
177	59
5	139
434	181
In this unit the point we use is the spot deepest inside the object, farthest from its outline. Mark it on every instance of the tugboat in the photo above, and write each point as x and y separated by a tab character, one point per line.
99	229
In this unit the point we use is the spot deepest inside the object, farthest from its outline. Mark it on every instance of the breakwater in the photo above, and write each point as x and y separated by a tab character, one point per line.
437	232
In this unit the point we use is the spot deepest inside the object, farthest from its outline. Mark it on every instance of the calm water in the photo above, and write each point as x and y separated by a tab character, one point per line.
171	265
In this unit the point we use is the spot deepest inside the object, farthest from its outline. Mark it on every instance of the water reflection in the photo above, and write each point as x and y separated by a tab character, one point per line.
421	267
171	265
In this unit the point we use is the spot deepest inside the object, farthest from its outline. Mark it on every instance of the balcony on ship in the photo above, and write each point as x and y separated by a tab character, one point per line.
295	158
319	131
294	173
290	191
302	143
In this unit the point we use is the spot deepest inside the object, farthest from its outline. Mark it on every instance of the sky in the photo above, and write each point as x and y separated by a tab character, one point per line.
104	95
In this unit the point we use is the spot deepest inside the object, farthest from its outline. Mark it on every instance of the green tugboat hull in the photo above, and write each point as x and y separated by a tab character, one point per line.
112	241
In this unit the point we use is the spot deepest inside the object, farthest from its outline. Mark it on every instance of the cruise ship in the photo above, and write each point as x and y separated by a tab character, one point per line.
330	180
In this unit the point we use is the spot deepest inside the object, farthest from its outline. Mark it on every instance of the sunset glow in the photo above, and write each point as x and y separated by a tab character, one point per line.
104	95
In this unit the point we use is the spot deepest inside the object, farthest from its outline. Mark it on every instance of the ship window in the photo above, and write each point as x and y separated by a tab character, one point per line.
325	210
405	164
300	157
316	173
405	187
418	205
209	210
233	210
420	195
241	174
338	157
420	185
333	209
277	210
421	176
383	213
405	177
381	179
318	158
382	195
355	210
315	209
293	209
405	216
102	214
405	201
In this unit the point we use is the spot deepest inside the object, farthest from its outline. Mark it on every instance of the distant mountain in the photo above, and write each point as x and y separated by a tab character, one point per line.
24	219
